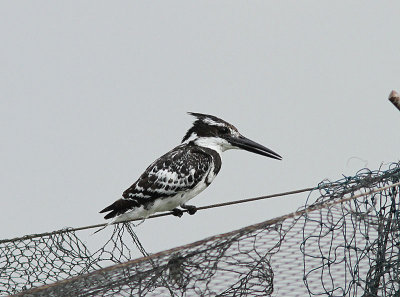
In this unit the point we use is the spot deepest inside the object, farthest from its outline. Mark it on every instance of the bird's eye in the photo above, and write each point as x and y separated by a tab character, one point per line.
225	130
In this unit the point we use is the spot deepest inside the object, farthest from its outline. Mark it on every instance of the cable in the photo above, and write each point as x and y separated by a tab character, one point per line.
156	215
309	209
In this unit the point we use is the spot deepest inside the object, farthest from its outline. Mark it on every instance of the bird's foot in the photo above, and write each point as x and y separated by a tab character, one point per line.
177	212
190	208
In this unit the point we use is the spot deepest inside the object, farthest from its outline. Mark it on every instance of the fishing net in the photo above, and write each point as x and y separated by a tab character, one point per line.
344	242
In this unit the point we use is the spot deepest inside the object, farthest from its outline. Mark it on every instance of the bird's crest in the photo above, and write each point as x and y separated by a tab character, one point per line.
207	125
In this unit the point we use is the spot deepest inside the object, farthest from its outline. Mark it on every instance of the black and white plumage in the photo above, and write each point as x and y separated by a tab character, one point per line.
185	171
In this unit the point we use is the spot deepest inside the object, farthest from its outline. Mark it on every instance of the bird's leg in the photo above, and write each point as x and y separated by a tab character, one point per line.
177	212
190	208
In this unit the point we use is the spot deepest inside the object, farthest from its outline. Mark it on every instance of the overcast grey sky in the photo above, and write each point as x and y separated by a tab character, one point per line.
93	91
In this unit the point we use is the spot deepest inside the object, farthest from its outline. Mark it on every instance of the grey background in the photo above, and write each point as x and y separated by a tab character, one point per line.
93	91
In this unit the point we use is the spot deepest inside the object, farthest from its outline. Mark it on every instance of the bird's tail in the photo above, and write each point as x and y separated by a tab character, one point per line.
119	207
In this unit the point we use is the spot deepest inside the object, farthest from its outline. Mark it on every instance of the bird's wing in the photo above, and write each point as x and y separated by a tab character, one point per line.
179	170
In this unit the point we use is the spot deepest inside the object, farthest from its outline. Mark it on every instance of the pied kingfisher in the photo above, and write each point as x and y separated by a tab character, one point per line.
185	171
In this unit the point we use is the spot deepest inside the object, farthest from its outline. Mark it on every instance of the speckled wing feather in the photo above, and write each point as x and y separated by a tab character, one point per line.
176	171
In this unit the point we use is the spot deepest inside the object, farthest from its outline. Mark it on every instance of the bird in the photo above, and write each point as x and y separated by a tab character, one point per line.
182	173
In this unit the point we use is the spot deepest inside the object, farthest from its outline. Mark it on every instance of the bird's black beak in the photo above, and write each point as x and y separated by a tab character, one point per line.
251	146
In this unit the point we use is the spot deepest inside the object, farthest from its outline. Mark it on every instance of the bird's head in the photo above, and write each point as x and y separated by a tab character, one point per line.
214	133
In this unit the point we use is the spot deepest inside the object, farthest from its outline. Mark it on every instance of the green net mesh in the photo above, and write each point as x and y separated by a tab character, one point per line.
331	247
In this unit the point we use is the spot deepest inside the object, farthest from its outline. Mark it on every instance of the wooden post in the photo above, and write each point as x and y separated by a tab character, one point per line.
394	97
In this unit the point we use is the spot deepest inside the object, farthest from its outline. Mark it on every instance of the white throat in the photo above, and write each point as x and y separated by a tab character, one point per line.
215	143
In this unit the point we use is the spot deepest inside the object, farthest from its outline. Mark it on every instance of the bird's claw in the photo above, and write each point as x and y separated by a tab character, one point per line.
177	212
190	208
